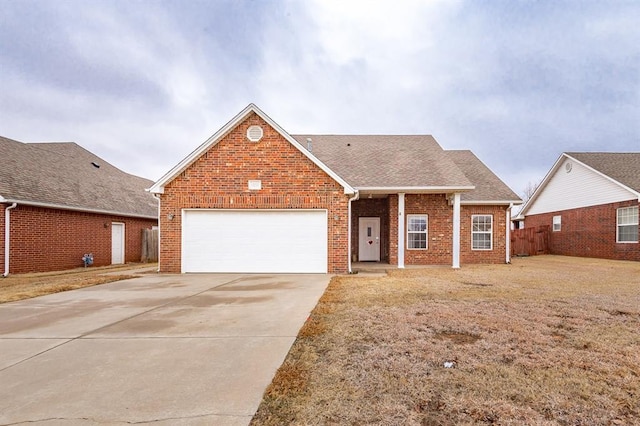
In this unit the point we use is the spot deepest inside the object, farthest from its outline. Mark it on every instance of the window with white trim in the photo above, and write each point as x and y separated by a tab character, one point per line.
627	229
417	230
557	223
482	232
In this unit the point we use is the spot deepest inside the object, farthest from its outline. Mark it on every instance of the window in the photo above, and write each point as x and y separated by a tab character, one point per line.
417	231
627	225
557	223
481	232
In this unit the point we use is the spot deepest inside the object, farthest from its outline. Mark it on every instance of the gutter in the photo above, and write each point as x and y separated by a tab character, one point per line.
354	198
77	209
7	237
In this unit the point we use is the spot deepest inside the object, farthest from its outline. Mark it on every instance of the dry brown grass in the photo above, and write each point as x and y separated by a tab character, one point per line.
26	286
545	341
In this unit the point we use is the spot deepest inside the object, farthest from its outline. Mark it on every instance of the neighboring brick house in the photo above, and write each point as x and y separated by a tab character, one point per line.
58	202
253	198
589	201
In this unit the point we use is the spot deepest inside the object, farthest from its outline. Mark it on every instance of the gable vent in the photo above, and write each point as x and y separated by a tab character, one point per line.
254	133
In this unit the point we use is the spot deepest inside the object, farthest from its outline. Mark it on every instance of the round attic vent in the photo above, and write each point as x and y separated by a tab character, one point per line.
254	133
568	166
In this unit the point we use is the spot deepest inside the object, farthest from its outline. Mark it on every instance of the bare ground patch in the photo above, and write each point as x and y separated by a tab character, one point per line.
547	340
26	286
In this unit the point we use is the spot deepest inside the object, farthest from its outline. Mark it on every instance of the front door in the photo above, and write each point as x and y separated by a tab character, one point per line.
117	243
369	239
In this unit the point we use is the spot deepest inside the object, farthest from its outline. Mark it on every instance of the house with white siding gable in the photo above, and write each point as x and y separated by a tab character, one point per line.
590	202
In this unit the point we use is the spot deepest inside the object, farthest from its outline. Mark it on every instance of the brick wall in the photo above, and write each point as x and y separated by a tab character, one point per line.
2	208
440	231
499	251
218	179
588	232
49	240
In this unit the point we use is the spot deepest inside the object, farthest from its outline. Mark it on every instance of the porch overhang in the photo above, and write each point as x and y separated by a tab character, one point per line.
387	190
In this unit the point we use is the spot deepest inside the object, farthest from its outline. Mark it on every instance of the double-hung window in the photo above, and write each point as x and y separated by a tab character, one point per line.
482	232
417	231
627	231
557	223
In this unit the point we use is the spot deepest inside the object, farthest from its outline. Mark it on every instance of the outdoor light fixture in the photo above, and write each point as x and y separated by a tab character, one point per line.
170	216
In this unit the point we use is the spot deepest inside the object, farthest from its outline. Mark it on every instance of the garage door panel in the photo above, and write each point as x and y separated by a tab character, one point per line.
254	241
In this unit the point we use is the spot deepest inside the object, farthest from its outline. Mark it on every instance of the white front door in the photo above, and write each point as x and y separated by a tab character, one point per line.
117	243
369	239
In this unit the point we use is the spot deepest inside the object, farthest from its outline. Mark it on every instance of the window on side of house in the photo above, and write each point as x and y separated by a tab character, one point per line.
482	232
417	231
557	223
627	229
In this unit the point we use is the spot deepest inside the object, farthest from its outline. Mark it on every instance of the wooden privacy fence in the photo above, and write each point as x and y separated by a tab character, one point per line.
149	245
530	241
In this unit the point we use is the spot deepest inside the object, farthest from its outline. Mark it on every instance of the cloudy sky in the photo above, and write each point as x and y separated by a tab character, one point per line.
143	83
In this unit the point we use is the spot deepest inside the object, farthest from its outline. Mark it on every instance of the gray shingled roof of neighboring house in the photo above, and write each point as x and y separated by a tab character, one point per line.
62	174
395	161
392	161
624	167
488	186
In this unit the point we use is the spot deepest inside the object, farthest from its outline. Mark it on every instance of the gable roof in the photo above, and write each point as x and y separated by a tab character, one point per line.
621	168
158	187
62	175
489	189
379	163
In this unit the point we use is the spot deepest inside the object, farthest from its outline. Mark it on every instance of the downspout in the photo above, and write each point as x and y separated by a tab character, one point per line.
354	198
7	237
157	197
508	235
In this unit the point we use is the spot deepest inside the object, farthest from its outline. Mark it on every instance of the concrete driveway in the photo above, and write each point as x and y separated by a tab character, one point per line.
161	349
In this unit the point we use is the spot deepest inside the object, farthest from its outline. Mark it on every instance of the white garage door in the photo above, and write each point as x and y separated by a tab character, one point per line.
285	241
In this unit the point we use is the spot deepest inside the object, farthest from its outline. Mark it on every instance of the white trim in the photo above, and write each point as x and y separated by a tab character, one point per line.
507	233
412	189
401	230
76	209
564	156
7	237
158	186
482	232
626	224
354	198
553	223
491	203
426	231
456	231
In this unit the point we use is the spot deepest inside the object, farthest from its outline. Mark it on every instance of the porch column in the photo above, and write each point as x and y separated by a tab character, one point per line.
507	234
401	230
456	231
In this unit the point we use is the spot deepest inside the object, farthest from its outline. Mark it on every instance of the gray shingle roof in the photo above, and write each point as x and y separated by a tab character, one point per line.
62	174
386	160
395	161
623	167
488	185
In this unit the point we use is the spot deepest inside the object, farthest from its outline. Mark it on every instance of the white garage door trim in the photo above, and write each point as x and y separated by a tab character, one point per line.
254	241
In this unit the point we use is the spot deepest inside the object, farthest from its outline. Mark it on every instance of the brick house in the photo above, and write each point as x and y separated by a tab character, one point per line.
59	201
589	201
253	198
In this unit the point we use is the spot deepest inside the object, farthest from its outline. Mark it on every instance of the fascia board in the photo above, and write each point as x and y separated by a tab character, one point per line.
77	209
609	178
158	187
413	189
491	202
543	184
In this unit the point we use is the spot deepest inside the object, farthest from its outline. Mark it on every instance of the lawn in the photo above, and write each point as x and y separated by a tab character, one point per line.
25	286
547	340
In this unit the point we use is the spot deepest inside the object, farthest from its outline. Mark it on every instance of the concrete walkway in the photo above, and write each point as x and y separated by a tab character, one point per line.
161	349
